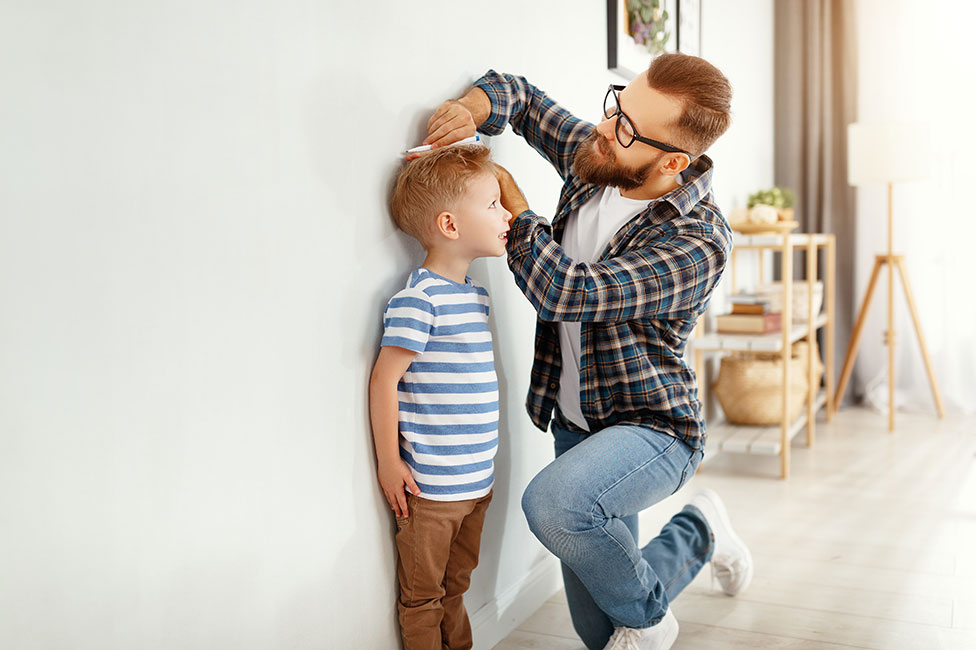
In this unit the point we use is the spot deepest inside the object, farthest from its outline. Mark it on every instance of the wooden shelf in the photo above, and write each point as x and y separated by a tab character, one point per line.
764	441
775	440
771	342
776	228
775	240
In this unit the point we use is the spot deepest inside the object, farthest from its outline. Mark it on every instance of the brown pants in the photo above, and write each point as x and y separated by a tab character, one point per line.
438	549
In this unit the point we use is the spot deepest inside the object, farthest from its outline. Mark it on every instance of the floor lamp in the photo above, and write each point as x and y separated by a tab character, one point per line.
879	153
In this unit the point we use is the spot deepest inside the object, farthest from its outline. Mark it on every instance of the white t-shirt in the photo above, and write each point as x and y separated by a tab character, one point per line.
588	231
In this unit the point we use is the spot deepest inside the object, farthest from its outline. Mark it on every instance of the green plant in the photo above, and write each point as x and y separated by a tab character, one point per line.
778	197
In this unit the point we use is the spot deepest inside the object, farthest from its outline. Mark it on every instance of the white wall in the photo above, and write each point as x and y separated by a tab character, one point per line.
738	37
921	74
194	255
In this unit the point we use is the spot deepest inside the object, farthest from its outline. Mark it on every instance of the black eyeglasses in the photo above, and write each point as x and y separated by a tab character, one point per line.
626	133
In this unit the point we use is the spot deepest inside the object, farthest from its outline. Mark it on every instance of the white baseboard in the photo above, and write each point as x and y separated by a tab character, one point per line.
498	617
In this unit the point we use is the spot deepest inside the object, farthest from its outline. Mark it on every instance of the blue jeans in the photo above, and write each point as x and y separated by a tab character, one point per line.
583	507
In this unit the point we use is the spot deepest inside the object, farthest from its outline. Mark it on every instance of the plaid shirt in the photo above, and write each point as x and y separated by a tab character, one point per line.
637	304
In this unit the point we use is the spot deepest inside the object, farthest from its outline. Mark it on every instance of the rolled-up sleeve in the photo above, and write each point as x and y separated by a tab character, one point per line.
548	127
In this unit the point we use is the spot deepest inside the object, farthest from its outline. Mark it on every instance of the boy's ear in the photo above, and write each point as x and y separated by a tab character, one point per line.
446	225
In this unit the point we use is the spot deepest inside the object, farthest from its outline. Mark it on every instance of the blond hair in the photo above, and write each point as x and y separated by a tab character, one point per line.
434	183
705	92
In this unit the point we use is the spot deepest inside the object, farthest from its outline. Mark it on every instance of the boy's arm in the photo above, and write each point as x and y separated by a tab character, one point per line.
497	100
384	409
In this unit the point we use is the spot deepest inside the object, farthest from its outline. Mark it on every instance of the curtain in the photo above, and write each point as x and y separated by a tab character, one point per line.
815	99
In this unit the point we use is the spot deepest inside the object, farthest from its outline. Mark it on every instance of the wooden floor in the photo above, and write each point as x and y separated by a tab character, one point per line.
870	544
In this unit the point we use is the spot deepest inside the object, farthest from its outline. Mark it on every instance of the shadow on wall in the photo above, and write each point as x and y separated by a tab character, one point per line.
506	533
498	513
341	154
342	148
355	178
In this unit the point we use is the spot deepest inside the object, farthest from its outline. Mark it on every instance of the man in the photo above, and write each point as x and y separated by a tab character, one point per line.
618	281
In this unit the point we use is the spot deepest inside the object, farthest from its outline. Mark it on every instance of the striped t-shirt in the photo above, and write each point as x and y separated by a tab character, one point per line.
449	394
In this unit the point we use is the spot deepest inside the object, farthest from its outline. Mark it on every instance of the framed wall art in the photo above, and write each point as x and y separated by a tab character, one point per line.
689	27
637	31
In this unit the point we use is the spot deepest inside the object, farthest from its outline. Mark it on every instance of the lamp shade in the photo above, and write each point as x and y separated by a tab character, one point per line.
886	152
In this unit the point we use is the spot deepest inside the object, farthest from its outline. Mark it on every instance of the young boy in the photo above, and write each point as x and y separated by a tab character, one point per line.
434	393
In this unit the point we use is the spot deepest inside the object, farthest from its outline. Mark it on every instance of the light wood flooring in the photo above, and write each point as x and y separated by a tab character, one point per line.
871	543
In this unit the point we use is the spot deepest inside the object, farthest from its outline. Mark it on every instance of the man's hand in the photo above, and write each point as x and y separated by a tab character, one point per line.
512	198
393	476
452	121
456	119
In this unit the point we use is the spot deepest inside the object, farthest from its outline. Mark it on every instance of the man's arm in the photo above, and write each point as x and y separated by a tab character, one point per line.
497	100
384	410
511	195
667	279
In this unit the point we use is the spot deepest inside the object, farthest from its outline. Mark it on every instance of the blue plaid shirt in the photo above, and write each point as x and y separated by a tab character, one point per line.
637	304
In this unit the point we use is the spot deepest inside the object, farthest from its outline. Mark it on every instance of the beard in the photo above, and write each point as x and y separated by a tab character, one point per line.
609	172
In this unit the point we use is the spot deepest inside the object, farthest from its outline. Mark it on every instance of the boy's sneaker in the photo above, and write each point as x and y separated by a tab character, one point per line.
732	561
656	637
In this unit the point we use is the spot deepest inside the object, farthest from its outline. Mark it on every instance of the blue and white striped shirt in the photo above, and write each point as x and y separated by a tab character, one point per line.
449	394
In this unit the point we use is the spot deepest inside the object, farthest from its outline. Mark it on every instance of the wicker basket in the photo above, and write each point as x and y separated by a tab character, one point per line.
749	385
800	350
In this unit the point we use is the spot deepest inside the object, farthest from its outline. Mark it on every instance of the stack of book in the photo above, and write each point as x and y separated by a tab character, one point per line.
750	315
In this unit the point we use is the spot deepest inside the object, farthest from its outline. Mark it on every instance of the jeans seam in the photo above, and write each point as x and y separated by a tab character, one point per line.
685	472
688	563
412	575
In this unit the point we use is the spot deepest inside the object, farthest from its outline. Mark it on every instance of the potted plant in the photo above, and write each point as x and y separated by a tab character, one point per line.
781	199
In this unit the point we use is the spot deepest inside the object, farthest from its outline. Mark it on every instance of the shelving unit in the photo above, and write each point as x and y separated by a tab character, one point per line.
776	440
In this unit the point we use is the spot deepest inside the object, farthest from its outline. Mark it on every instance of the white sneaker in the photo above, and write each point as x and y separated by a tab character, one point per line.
732	561
656	637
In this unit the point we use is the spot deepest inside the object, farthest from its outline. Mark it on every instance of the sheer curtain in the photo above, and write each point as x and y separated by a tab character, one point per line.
921	73
815	100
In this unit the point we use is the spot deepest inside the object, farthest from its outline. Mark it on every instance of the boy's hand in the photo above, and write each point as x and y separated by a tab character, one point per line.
512	198
393	476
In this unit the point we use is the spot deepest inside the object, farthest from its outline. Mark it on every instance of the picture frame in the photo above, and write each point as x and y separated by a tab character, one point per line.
627	57
689	27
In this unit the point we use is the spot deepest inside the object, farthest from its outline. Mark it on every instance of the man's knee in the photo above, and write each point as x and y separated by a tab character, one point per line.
550	512
534	502
544	502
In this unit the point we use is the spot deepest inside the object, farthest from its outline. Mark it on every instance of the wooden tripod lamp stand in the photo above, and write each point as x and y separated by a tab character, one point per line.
879	153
